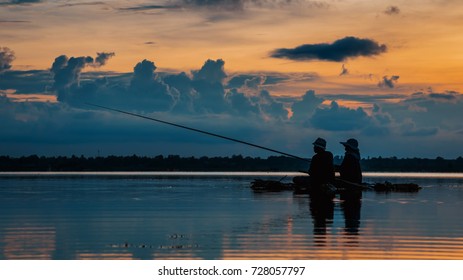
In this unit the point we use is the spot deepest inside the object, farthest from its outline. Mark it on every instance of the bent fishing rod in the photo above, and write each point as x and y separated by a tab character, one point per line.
197	130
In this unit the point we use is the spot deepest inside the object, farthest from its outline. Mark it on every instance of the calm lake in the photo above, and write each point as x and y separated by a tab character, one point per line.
130	215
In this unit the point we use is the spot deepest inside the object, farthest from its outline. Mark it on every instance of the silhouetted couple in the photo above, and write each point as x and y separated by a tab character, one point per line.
320	185
322	169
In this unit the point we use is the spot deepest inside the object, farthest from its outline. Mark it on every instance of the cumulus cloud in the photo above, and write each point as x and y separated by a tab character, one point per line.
338	118
6	58
241	104
206	99
302	110
270	107
67	70
388	82
339	50
212	71
392	10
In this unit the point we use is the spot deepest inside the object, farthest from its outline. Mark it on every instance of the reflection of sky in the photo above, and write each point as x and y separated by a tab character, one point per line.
217	218
29	242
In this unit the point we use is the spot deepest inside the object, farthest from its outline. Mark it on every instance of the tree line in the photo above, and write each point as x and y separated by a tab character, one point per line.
233	163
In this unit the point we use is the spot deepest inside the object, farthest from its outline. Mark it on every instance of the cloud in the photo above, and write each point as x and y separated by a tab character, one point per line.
216	4
19	2
6	58
338	118
409	128
392	10
212	71
451	96
302	110
205	98
339	50
230	6
24	82
67	70
102	58
149	7
344	71
388	82
241	104
271	108
96	3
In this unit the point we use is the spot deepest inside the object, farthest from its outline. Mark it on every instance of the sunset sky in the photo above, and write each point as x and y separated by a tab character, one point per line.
278	73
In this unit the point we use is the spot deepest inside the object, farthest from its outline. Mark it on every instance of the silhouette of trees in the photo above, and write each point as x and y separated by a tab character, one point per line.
233	163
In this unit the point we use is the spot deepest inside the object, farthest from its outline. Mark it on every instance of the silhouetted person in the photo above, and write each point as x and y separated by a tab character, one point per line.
351	171
321	169
350	167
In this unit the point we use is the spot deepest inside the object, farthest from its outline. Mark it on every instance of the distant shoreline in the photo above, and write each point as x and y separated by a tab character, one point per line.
213	164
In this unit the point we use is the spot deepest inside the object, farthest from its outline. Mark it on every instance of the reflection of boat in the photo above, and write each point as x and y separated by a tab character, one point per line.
339	185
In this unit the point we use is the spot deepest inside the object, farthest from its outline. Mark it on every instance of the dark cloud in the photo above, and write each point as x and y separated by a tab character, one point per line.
444	96
270	107
241	104
364	98
149	7
344	71
421	112
14	21
102	58
338	118
148	90
227	5
239	81
388	82
6	58
67	70
215	4
96	3
302	110
339	50
31	81
392	10
19	2
212	71
242	4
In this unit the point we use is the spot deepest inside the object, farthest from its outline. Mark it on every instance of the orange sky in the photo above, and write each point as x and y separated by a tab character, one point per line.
423	37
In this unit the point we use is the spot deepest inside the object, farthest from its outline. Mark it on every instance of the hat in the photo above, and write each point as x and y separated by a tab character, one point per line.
320	142
351	143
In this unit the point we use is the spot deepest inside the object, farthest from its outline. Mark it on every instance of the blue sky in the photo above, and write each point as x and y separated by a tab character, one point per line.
275	73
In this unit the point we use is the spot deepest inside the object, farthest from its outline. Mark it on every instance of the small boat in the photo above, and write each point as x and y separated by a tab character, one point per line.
339	186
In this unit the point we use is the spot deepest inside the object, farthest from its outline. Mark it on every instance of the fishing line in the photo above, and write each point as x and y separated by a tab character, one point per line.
197	130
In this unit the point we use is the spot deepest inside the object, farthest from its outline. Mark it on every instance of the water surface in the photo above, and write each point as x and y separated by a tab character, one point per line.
183	215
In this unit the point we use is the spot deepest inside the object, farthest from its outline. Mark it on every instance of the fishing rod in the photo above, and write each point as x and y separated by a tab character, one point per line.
197	130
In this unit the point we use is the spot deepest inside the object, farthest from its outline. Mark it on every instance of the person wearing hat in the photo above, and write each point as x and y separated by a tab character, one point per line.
349	169
321	168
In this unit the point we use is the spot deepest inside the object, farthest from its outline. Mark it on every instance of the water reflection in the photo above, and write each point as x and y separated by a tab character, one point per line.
29	242
322	211
351	204
146	218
